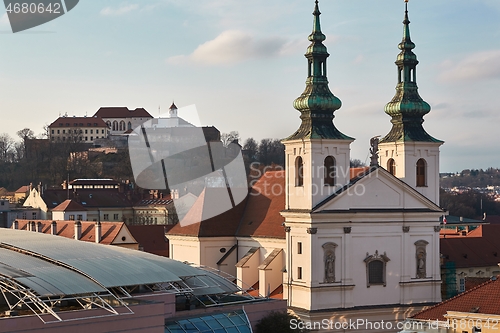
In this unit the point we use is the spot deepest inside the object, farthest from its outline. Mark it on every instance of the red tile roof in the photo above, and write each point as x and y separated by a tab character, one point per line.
276	294
23	189
266	200
69	206
121	112
473	251
474	281
481	299
356	172
258	216
151	238
221	225
78	122
109	230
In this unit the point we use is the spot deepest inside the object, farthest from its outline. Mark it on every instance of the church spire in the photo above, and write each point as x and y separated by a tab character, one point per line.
407	108
317	103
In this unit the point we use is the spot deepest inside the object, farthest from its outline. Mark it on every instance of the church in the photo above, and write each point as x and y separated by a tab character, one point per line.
338	243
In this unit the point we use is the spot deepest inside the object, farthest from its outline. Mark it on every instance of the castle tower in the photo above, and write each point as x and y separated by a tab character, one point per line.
317	154
408	151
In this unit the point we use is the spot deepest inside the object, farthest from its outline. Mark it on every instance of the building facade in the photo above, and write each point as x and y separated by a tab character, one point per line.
120	119
78	129
371	241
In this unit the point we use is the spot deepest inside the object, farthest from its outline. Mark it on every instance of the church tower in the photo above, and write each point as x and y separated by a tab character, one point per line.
317	154
408	151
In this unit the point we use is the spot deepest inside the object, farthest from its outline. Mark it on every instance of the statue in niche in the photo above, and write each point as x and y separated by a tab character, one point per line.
330	268
329	261
421	257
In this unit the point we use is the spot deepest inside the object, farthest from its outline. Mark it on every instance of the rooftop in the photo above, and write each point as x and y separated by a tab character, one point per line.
121	112
481	299
46	268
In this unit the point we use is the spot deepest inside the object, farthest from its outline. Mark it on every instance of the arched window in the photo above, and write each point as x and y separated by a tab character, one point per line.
391	166
108	123
299	172
129	126
122	125
329	168
421	173
115	125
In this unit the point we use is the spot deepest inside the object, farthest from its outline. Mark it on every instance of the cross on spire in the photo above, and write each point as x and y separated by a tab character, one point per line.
407	108
317	103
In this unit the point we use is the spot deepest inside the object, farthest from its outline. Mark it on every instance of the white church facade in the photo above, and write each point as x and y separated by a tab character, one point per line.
338	243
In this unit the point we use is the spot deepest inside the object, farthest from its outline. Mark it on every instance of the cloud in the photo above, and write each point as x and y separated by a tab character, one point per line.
123	9
477	66
234	46
4	20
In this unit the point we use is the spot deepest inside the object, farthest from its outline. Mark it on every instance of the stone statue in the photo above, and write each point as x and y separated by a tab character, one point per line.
330	268
421	274
374	150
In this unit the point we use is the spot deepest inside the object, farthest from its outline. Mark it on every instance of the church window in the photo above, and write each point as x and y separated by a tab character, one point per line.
376	269
329	168
122	125
299	172
129	126
391	166
108	123
376	272
421	173
115	125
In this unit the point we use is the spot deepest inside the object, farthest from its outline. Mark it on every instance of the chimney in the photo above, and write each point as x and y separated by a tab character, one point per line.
39	227
39	187
78	230
15	225
31	186
53	228
98	232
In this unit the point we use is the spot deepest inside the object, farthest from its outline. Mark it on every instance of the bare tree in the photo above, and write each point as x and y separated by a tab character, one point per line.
6	146
251	148
25	134
227	138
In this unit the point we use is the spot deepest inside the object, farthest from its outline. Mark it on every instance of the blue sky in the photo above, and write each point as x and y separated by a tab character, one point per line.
242	64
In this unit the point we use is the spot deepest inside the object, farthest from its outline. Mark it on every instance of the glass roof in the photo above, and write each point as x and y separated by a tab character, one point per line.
232	322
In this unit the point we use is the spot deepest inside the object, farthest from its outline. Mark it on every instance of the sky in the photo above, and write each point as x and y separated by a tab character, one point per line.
241	63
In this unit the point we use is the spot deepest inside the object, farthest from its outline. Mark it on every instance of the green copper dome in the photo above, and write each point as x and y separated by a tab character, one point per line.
407	108
317	103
